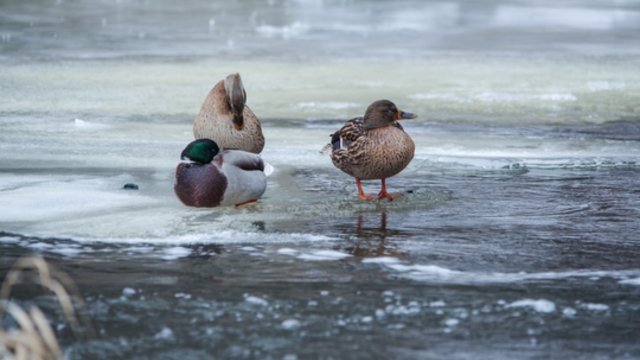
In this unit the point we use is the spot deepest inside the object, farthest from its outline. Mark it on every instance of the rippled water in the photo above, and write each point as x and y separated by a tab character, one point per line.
516	236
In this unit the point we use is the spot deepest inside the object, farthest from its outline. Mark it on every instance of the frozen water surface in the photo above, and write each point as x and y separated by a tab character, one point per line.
516	237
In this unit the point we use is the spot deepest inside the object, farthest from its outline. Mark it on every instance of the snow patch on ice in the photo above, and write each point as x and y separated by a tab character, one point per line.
9	239
398	309
569	312
437	273
287	251
451	322
290	324
595	307
182	295
254	300
164	334
323	255
633	281
58	196
69	250
176	252
540	305
314	255
128	291
219	237
381	260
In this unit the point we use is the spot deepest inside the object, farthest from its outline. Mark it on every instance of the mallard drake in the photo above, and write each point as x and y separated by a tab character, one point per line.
373	147
215	177
225	117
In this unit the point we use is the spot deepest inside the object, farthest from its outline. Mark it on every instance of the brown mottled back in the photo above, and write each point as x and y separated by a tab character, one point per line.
216	121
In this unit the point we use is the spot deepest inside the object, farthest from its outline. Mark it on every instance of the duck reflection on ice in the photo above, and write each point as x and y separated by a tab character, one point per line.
371	241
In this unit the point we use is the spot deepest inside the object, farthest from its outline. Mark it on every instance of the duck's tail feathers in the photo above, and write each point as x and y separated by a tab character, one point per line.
326	149
268	169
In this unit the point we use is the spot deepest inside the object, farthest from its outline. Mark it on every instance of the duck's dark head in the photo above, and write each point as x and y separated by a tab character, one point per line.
384	113
236	98
200	151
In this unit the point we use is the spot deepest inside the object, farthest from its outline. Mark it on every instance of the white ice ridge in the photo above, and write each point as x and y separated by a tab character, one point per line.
332	105
314	255
633	281
436	273
174	253
220	237
295	29
254	300
491	97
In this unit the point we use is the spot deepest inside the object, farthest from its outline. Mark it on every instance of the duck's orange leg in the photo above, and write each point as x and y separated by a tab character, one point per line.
361	193
383	194
247	202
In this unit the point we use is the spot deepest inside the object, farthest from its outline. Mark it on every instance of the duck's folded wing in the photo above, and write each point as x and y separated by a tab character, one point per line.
244	160
350	132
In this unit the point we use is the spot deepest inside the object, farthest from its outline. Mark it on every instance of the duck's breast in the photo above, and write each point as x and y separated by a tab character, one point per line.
200	185
381	153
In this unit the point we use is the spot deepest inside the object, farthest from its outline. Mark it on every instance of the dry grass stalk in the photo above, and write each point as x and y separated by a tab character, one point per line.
34	338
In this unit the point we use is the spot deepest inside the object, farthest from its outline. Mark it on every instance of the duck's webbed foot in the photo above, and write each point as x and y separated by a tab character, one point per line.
383	194
390	196
361	193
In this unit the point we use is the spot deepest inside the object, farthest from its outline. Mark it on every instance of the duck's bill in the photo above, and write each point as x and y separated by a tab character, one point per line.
406	115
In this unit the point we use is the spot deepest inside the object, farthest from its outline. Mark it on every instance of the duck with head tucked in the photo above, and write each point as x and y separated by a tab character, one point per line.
214	177
373	147
225	117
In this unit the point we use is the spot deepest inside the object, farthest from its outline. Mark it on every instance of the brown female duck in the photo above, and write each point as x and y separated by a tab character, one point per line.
225	118
373	147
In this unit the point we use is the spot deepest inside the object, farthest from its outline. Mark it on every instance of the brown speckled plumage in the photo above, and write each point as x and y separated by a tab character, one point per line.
374	146
225	118
375	154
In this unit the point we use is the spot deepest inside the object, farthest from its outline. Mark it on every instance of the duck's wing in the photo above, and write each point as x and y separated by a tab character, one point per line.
344	146
242	159
347	134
